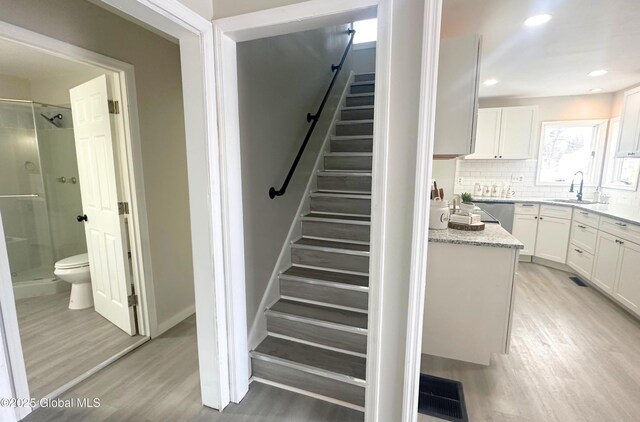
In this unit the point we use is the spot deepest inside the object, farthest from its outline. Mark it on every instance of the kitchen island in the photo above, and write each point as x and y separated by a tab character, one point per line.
470	289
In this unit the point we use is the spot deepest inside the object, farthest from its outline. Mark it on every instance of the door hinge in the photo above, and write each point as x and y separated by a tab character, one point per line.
114	107
123	208
132	300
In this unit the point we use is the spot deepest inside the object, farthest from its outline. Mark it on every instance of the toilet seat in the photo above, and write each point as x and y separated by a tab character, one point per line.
75	261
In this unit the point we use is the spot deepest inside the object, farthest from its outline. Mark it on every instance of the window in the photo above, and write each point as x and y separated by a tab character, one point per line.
570	146
366	31
619	173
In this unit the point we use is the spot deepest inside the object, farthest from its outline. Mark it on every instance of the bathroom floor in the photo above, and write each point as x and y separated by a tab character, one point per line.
59	344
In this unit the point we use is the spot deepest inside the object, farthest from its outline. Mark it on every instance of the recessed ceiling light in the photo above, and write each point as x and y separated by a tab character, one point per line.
599	72
490	82
596	90
538	20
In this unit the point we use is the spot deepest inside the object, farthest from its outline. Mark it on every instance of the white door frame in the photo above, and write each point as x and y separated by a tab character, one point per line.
421	206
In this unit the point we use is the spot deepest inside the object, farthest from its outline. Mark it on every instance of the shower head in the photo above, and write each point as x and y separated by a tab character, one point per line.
52	119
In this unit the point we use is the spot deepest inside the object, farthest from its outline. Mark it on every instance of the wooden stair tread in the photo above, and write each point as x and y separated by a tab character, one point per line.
326	275
305	241
327	360
321	313
344	217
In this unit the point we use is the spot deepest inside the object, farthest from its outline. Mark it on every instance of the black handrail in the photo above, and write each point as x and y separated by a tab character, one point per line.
314	119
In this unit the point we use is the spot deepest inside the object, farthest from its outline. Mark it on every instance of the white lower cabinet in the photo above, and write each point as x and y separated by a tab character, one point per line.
580	261
552	239
524	229
627	287
606	262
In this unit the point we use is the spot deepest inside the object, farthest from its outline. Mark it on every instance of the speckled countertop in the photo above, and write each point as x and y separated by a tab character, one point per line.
621	212
493	236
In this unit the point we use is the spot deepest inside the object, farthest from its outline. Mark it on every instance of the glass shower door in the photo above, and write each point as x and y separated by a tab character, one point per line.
23	204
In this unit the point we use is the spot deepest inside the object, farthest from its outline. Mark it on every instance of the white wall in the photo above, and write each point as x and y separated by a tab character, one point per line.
14	88
202	7
159	91
280	79
579	107
364	60
55	89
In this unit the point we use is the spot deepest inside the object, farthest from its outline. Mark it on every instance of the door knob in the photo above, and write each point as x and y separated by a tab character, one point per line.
82	218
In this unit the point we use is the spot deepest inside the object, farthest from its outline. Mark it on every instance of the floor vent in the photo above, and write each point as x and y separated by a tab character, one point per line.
442	398
578	281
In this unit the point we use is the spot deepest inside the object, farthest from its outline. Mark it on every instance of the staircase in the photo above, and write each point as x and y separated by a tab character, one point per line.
317	330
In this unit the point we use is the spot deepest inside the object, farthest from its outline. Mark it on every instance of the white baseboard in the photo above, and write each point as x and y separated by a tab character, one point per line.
176	319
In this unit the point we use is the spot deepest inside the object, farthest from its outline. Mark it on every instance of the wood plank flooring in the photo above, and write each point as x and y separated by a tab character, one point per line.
59	344
160	382
575	356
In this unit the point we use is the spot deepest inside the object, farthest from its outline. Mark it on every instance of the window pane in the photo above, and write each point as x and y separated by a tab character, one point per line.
620	173
566	149
366	31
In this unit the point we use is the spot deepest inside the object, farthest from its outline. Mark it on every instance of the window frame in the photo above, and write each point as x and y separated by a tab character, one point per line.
610	165
600	149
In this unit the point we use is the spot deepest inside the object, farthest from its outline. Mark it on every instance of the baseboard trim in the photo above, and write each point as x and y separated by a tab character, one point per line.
551	264
176	319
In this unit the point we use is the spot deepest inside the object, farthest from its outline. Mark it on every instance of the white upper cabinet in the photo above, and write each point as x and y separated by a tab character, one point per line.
457	98
629	134
506	133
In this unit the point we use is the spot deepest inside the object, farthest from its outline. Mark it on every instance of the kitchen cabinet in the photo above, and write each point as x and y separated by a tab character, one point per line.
580	261
606	262
457	97
627	287
506	133
525	228
552	239
629	133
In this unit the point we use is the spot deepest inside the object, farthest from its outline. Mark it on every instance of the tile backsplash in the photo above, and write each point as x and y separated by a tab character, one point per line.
501	172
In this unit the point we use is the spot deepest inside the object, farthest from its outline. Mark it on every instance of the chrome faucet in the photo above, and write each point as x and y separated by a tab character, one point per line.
579	194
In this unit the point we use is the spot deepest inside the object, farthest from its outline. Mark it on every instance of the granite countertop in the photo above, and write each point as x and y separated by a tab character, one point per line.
493	236
621	212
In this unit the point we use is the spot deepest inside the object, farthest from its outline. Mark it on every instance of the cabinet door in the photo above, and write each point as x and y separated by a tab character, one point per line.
606	261
487	133
552	240
525	228
517	132
627	288
457	98
629	125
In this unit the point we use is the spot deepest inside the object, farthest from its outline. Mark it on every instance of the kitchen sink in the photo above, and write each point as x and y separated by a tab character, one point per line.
571	201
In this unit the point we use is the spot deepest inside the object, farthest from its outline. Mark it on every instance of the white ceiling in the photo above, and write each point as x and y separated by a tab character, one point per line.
552	59
28	63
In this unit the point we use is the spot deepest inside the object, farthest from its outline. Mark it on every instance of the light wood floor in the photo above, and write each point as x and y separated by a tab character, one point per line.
575	356
59	344
160	382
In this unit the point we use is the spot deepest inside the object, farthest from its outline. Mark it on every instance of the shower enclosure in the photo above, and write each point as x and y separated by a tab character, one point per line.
39	193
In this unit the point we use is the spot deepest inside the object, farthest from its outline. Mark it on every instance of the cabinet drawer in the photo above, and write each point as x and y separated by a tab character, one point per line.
527	209
580	260
621	229
586	217
584	237
555	211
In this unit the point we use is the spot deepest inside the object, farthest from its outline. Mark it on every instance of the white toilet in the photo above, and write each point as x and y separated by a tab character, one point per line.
75	270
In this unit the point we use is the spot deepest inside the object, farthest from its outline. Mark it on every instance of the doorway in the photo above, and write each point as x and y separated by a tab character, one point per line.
58	279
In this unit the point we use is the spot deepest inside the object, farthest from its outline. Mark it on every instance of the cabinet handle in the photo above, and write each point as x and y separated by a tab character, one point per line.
500	156
581	226
620	242
578	250
541	218
584	213
631	153
536	217
527	205
621	224
495	156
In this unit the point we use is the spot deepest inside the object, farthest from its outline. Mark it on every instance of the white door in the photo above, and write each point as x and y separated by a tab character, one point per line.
104	226
627	288
487	134
552	240
605	267
517	132
524	229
